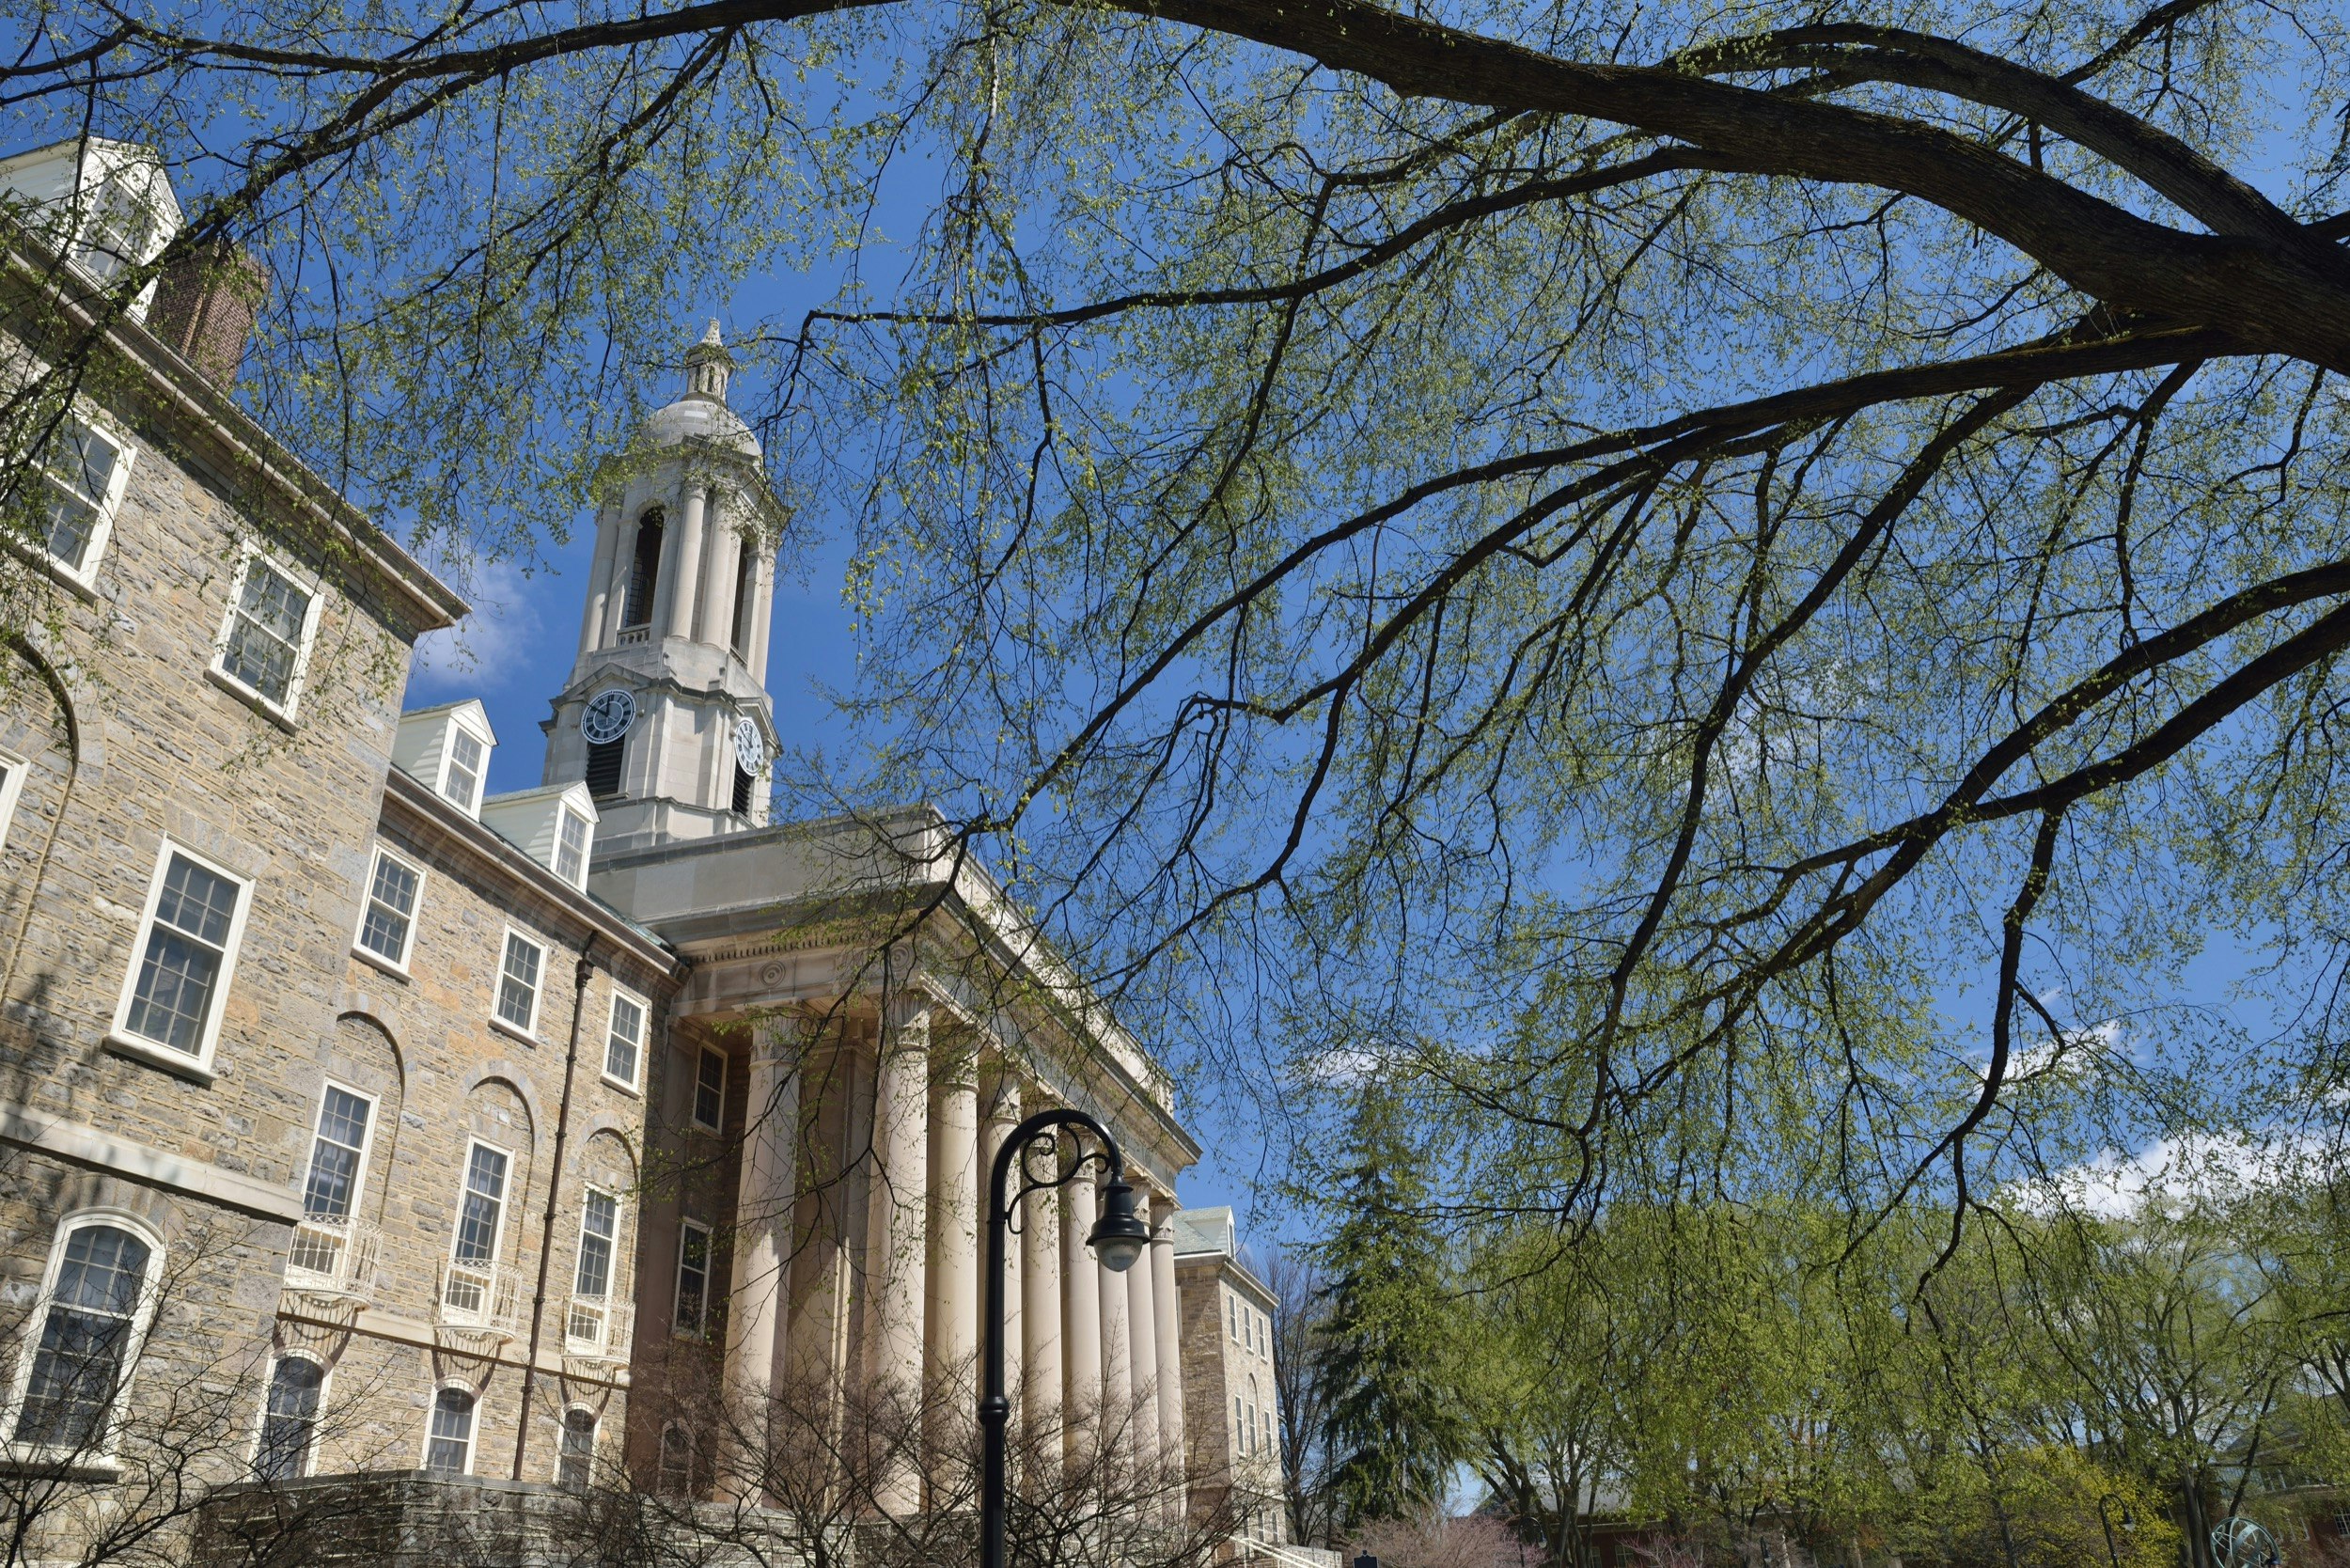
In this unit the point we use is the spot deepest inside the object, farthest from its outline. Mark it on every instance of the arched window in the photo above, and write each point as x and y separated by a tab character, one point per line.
575	1457
449	1447
291	1418
745	595
677	1460
91	1312
644	571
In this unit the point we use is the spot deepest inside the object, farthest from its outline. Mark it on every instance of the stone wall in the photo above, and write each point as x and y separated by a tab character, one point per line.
419	1520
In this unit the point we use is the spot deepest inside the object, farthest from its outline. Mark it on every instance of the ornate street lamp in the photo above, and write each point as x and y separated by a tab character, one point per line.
1118	1239
2129	1522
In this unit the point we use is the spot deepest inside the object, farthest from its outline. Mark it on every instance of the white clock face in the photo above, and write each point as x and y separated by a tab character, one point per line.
609	714
747	750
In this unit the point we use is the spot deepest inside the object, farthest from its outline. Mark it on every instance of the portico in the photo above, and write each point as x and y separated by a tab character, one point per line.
892	1020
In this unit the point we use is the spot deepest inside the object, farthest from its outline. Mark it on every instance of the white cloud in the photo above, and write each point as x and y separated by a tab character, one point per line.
490	647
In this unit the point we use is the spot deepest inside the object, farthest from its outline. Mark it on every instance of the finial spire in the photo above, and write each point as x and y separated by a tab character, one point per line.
707	365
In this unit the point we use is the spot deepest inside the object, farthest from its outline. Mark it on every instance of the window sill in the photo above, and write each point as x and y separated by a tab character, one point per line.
377	960
64	1465
281	718
624	1085
82	585
506	1028
171	1061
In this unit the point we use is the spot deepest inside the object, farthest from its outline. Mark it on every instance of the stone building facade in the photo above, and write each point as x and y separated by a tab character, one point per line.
1232	1398
359	1121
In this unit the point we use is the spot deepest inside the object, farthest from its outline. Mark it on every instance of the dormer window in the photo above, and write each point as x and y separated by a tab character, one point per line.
460	769
119	232
571	846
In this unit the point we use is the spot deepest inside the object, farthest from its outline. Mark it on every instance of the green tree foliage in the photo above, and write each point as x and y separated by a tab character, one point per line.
1648	546
1392	1428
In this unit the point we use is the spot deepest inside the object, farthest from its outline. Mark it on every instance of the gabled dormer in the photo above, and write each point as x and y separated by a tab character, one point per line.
555	825
448	748
104	205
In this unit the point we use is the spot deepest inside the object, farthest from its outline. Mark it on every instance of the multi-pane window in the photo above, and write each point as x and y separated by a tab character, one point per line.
87	1324
518	981
449	1448
571	845
291	1418
121	224
1231	1317
577	1458
460	771
599	1230
710	1089
482	1208
390	918
677	1460
337	1154
269	622
624	1046
693	1278
185	946
11	782
81	474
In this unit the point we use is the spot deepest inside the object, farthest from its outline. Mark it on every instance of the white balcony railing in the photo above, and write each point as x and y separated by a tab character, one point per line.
598	1327
477	1296
333	1257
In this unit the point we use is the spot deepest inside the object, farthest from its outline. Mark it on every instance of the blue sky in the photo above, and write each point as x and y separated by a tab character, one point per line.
515	652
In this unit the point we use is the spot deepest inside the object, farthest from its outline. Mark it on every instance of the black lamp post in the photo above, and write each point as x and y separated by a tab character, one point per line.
2129	1522
1118	1239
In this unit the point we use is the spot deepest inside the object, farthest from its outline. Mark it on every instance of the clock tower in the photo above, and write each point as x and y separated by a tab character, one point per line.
666	716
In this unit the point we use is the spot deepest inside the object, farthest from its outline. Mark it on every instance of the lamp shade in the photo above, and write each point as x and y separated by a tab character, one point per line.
1119	1234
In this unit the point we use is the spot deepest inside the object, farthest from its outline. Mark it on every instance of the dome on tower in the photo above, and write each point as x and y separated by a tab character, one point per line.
702	414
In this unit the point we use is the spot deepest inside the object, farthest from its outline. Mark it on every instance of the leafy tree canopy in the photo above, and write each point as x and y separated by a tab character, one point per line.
1619	556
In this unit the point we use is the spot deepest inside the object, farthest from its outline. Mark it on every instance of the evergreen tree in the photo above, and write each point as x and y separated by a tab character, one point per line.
1392	1429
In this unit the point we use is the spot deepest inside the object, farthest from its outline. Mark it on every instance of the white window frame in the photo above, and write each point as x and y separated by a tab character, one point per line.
595	1438
11	787
448	756
473	1427
505	1204
563	815
677	1283
261	1426
619	1223
119	1036
537	990
367	1149
84	577
644	1034
694	1091
250	556
102	1454
367	899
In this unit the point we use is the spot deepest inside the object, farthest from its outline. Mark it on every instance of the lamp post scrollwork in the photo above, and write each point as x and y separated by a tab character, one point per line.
1118	1239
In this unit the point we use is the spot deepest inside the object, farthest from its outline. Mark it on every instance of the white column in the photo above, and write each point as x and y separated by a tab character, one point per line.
1142	1352
1118	1377
762	614
1167	1323
591	614
686	578
953	1235
720	553
901	1097
1003	1114
623	567
1040	1319
762	1252
1081	1321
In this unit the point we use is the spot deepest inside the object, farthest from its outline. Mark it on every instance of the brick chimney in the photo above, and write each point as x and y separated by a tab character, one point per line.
206	303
